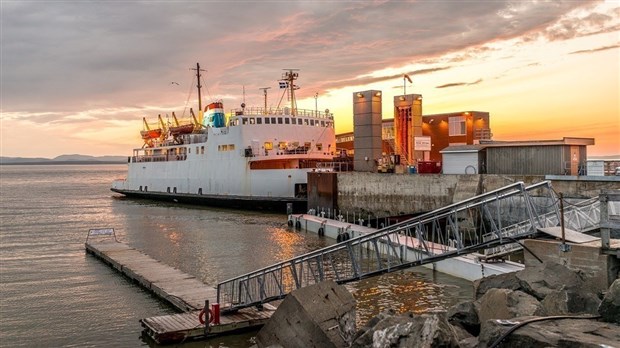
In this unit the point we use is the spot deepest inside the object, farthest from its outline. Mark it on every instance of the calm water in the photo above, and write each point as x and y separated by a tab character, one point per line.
53	294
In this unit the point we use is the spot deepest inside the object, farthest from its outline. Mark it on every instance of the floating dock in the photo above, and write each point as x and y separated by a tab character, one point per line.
183	291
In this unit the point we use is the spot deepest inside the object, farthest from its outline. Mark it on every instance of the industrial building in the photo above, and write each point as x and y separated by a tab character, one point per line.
452	143
409	139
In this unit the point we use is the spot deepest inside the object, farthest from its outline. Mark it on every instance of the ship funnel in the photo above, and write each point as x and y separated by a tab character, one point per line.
215	115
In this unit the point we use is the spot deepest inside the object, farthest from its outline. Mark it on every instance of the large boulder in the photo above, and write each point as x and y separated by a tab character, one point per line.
465	315
574	333
610	306
541	281
496	281
320	315
409	330
562	302
507	304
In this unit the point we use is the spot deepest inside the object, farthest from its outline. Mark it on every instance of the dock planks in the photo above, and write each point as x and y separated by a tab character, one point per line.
183	291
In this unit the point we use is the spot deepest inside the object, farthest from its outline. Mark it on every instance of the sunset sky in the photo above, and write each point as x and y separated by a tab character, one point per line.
78	76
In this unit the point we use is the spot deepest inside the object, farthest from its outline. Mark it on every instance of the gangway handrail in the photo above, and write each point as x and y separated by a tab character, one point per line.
255	292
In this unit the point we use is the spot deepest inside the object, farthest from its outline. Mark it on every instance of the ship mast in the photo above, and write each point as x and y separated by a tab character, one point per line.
198	70
290	76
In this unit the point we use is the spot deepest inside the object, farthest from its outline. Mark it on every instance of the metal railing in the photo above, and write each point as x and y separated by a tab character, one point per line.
583	216
431	237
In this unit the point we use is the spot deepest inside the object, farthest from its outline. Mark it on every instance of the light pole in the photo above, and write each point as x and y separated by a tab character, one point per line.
316	105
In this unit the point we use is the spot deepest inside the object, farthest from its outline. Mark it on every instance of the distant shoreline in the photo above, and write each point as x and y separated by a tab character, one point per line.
59	163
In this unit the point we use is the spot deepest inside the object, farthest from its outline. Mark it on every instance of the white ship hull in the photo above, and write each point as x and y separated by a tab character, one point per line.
247	164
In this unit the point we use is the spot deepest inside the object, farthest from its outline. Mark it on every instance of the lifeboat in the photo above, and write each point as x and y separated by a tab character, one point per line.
151	134
181	129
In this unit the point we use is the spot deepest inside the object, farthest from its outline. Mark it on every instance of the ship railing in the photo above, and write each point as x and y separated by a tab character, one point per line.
158	158
261	111
334	166
427	238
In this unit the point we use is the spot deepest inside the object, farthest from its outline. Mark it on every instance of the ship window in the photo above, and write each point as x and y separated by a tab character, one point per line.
457	125
322	123
231	147
273	120
299	121
259	120
287	120
282	145
245	120
168	189
312	122
319	147
202	150
279	120
189	150
307	144
268	144
266	120
252	121
306	121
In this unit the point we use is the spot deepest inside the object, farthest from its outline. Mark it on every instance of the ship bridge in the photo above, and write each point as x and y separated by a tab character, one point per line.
493	221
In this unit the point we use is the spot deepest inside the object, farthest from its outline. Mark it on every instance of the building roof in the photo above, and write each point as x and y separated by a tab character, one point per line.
563	141
463	148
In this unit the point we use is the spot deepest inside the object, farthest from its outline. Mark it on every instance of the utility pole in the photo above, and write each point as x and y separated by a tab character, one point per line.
198	70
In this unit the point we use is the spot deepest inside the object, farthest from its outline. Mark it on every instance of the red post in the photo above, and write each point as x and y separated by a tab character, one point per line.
216	313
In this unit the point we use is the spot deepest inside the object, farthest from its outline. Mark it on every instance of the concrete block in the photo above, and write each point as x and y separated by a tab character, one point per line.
320	315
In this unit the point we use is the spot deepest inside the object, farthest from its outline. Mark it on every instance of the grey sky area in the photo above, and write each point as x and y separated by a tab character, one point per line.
62	57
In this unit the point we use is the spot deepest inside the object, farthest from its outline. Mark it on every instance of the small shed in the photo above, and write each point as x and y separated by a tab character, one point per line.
463	159
537	157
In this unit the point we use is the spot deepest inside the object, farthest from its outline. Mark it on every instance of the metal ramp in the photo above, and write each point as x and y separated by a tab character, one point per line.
508	213
583	216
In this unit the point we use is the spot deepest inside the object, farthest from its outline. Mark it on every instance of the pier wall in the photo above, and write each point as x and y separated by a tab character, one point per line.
381	194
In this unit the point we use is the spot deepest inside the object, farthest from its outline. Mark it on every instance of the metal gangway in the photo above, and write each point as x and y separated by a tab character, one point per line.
582	216
510	213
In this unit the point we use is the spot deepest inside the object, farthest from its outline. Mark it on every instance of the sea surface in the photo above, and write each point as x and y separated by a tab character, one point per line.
53	294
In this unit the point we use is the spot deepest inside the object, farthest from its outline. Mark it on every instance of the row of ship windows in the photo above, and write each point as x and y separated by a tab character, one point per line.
268	145
281	120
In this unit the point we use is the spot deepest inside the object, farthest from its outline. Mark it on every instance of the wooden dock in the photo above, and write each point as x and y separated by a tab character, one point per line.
183	291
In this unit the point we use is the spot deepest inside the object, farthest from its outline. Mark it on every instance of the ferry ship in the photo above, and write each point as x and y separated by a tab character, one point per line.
255	158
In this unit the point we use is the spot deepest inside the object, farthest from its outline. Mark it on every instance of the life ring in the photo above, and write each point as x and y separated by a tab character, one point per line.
201	316
298	225
290	223
345	236
339	238
321	231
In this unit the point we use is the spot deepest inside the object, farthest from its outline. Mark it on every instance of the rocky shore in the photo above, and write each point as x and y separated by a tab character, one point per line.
550	306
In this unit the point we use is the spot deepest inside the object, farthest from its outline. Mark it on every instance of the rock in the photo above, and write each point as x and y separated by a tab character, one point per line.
541	281
610	306
461	333
507	304
562	302
465	315
496	281
409	330
471	342
320	315
574	333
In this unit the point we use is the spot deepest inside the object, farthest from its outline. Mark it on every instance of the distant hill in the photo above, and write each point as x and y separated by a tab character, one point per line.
64	159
